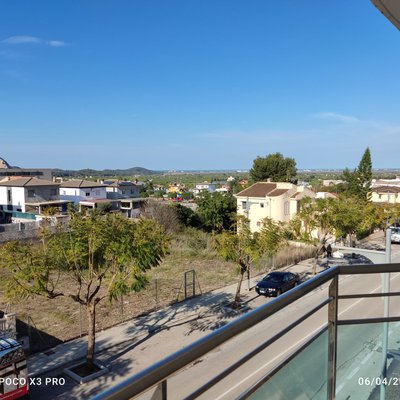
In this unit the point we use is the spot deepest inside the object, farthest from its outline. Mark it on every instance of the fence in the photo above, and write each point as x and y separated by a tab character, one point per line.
24	230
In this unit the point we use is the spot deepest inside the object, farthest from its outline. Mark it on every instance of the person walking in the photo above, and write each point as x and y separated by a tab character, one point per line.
329	251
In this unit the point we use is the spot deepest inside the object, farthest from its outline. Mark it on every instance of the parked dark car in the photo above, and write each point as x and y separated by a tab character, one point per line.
276	283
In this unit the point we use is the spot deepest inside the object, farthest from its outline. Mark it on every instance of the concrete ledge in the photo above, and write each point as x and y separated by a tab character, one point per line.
83	379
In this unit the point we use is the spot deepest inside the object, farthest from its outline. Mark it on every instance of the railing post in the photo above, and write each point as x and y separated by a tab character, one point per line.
332	337
385	336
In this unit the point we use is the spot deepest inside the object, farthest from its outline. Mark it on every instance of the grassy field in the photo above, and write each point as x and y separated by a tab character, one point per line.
53	321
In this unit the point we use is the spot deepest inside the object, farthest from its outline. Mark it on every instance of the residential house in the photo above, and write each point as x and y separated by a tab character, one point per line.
117	189
276	200
386	182
88	194
325	195
386	194
176	188
29	195
204	187
331	182
81	190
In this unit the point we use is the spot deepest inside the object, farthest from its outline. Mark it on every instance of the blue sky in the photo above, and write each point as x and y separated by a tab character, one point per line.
190	84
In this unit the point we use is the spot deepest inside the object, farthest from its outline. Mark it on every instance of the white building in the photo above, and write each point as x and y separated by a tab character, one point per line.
385	182
117	189
204	187
276	200
81	190
29	195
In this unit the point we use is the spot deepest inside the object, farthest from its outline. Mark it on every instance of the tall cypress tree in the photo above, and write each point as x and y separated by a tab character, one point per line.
364	176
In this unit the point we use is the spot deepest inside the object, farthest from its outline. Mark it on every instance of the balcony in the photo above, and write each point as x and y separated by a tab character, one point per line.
341	342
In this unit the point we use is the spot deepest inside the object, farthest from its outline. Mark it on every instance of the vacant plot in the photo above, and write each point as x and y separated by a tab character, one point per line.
49	322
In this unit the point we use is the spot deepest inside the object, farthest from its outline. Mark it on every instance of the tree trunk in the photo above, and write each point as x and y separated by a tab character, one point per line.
314	267
239	286
91	315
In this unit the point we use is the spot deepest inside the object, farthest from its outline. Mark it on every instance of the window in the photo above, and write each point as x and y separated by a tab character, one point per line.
244	204
9	195
286	208
53	192
31	193
258	223
87	194
64	192
262	205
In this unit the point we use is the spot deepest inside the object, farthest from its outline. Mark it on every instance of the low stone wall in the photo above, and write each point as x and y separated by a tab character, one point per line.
19	231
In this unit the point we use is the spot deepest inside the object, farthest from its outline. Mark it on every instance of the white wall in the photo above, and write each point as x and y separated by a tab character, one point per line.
17	198
78	194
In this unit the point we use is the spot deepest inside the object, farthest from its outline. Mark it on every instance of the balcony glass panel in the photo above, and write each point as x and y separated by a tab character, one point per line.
304	377
360	361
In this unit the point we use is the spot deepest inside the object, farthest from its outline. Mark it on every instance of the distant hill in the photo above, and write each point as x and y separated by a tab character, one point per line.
105	172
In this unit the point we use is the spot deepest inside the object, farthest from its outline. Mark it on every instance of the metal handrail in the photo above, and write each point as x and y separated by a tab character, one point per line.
160	371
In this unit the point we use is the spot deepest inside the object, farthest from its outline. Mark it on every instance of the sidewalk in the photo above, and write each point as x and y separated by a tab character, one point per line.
203	313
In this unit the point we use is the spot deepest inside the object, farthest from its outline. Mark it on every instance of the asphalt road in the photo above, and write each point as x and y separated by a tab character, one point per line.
359	349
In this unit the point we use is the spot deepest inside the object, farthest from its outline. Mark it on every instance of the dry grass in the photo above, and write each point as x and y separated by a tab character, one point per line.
61	319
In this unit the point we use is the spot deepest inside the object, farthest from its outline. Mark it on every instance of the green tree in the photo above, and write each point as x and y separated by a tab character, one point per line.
357	183
106	256
317	220
186	215
244	247
274	167
364	176
216	210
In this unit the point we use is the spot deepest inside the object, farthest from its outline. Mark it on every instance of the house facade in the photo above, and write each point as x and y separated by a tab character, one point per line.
386	194
204	187
29	195
117	189
82	190
276	200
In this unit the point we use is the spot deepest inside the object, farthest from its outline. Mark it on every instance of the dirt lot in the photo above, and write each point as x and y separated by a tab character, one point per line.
49	322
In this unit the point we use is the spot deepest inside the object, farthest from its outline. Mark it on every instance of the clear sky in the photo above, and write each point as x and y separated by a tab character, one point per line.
197	84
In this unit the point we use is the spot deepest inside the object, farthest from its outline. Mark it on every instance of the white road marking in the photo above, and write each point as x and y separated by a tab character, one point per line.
355	370
291	347
367	358
340	387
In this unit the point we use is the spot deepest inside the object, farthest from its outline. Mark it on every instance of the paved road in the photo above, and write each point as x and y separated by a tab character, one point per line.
356	343
356	347
359	353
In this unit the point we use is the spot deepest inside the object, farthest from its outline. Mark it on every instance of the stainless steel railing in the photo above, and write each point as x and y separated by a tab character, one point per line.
157	375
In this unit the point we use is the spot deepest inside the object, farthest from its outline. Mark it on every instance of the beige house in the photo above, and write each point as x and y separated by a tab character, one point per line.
385	194
276	200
